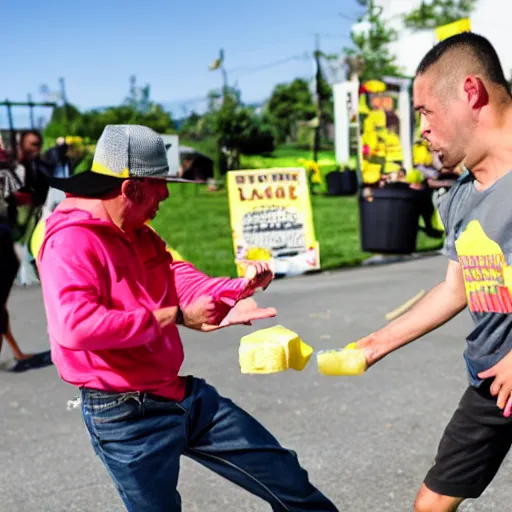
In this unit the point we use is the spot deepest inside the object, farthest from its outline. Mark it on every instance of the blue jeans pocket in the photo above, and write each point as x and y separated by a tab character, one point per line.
112	422
105	407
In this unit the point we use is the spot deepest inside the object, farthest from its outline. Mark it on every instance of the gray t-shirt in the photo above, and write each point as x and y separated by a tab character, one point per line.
479	236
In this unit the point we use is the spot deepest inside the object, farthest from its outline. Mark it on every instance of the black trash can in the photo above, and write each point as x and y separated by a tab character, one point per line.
341	183
388	219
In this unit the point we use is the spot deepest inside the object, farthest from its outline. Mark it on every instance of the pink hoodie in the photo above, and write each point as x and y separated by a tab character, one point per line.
100	289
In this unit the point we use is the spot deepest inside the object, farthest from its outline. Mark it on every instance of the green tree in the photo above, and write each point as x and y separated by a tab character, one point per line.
435	13
65	120
238	127
157	118
288	104
139	98
94	121
191	126
371	57
137	108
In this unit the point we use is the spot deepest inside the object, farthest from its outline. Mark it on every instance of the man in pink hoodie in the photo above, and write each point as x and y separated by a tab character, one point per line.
113	298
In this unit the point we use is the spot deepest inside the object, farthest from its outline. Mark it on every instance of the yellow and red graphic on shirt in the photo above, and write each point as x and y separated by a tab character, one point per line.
487	277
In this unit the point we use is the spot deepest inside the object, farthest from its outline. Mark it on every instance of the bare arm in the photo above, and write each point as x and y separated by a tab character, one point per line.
442	303
166	316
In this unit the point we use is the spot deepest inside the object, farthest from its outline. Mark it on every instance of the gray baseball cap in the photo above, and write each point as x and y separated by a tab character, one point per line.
123	151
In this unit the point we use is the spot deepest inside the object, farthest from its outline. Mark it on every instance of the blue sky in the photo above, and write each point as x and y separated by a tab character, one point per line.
96	46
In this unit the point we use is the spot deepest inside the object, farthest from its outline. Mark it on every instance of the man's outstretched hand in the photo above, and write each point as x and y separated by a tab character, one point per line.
243	312
257	275
230	305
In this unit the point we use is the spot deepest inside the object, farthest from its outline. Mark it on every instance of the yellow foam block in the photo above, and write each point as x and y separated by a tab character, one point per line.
347	361
272	350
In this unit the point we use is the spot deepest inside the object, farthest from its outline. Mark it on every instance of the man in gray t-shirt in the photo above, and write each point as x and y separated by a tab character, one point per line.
465	107
479	237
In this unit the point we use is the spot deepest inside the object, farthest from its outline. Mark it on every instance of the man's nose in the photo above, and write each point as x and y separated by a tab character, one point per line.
424	127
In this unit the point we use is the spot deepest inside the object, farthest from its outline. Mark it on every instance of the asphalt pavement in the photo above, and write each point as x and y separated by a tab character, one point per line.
366	441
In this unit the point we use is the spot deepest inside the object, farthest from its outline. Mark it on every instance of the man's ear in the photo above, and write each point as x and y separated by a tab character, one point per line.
476	92
132	191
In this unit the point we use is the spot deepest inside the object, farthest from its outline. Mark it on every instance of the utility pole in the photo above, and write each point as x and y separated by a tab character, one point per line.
220	154
318	77
219	64
224	77
65	100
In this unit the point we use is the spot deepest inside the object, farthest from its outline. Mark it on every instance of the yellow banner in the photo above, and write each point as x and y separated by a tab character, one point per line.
456	27
271	219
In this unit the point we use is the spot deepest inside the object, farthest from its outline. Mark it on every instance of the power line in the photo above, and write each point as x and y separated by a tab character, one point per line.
197	99
348	17
242	71
337	37
268	65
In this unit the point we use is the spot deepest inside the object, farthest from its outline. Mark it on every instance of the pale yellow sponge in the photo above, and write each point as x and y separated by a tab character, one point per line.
347	361
272	350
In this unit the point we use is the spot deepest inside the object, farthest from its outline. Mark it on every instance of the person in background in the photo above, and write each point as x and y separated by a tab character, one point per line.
57	158
33	171
9	264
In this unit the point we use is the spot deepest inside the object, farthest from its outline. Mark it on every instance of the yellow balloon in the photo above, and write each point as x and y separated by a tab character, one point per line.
37	238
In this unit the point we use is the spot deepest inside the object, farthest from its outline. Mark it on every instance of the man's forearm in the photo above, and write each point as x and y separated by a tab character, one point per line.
166	316
437	307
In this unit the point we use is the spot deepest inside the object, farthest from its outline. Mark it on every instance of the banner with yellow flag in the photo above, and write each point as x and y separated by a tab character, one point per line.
272	221
451	29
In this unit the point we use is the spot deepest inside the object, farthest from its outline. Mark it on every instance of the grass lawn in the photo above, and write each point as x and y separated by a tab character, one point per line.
285	157
196	223
288	156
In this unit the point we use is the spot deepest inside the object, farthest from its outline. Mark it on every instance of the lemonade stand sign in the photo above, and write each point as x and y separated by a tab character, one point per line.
271	220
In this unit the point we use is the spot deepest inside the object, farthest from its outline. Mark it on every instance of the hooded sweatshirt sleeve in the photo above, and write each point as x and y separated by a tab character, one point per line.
191	284
73	278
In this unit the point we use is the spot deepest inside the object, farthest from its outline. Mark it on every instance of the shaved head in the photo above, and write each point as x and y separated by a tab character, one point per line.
459	56
458	90
451	70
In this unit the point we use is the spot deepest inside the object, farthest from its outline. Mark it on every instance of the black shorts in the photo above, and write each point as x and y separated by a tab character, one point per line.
472	448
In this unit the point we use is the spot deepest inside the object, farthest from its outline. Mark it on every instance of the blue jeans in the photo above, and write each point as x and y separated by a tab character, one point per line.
140	439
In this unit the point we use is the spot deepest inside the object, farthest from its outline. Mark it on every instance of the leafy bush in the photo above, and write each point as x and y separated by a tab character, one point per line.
257	140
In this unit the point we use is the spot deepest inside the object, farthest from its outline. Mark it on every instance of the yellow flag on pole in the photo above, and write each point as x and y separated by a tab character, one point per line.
216	64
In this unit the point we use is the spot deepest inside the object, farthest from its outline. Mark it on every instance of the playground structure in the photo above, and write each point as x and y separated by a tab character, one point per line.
10	142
